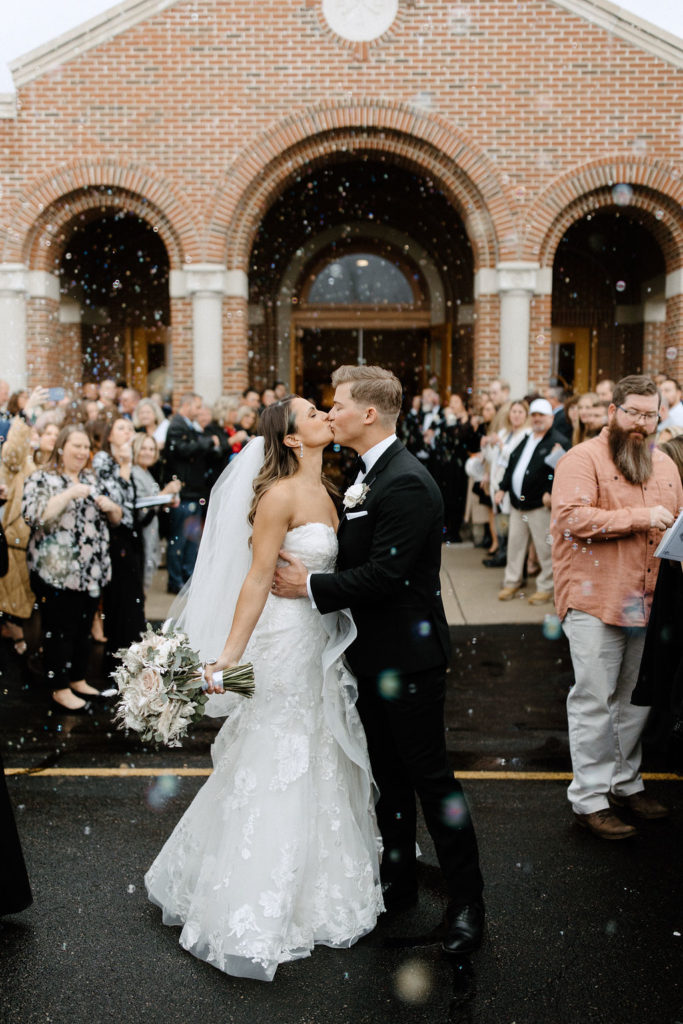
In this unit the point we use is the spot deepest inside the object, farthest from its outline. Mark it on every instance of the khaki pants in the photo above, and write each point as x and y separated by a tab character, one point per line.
534	524
604	727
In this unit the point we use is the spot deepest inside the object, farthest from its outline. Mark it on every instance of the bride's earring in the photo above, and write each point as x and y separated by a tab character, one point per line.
301	449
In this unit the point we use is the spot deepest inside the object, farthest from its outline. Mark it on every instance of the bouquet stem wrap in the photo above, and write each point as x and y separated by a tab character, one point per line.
161	686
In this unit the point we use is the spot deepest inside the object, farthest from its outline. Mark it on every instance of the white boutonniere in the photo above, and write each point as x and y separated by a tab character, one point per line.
355	495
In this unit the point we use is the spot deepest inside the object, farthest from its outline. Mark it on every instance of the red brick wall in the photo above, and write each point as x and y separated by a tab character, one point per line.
486	340
235	352
540	333
69	349
42	354
673	337
181	346
524	114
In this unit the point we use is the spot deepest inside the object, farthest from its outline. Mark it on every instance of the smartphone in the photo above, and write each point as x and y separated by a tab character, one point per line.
55	394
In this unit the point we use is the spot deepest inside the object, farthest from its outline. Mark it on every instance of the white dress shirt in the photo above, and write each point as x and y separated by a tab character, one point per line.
370	457
517	482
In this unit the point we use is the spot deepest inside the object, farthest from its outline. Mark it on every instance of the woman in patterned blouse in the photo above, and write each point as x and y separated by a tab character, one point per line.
68	556
123	600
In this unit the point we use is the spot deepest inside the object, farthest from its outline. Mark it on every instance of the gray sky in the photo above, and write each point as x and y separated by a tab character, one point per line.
34	22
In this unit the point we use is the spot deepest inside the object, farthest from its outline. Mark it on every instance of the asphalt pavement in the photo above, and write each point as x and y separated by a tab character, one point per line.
579	930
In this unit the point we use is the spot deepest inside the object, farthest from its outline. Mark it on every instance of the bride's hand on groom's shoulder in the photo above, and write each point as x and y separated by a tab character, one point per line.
290	579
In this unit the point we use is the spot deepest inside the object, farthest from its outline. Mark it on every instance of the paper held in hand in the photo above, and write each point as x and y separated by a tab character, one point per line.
671	544
155	499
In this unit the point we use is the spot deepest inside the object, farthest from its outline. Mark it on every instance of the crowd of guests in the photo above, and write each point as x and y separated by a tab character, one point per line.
496	490
577	490
93	487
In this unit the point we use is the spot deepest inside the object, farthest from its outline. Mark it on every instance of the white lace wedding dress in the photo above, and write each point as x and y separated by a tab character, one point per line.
279	850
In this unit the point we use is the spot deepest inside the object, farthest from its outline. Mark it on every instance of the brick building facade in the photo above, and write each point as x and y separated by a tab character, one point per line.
196	186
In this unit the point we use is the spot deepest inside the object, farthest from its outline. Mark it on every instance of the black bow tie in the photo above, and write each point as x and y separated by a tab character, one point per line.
360	464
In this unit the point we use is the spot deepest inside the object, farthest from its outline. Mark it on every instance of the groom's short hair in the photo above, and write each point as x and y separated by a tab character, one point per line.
372	385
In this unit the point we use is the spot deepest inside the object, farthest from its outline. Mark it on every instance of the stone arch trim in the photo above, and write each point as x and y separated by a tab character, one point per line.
411	136
43	212
657	191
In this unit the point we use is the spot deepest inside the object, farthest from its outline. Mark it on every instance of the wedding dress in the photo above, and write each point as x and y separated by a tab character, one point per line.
279	850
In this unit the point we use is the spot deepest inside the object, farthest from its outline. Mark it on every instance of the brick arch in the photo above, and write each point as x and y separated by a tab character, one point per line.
657	192
662	219
42	214
423	142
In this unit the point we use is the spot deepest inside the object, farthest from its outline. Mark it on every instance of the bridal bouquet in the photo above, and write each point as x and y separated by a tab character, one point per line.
161	686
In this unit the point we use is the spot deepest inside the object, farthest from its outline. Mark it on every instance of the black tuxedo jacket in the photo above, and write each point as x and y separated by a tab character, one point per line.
388	570
539	476
188	455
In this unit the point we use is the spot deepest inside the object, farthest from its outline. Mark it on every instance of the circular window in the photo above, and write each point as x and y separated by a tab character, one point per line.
361	20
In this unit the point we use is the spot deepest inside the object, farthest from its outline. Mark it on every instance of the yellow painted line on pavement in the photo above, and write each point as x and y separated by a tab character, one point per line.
125	772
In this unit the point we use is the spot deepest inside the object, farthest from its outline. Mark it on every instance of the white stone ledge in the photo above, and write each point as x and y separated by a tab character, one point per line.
15	278
674	283
212	278
43	285
8	105
517	276
654	311
485	281
513	276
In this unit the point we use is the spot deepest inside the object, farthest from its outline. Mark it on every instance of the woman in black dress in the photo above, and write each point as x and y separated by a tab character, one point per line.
123	601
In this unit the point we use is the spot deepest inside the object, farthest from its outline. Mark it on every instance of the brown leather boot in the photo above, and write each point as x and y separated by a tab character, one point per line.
640	804
605	824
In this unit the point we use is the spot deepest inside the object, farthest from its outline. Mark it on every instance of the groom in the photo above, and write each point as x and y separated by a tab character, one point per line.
388	575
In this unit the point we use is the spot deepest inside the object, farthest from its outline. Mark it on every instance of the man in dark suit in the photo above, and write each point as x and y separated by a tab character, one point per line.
528	479
189	454
388	575
557	396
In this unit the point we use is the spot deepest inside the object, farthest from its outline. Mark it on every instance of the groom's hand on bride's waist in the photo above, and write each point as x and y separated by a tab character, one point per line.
290	579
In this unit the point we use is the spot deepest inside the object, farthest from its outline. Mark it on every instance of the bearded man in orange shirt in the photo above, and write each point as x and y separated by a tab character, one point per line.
612	498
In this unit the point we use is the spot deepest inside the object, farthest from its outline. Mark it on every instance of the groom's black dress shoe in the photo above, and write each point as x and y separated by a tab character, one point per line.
464	929
397	896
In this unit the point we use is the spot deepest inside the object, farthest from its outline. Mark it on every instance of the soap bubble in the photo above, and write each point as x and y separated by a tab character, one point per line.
413	982
622	195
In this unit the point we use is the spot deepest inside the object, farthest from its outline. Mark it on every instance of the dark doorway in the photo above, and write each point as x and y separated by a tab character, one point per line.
116	270
320	350
607	265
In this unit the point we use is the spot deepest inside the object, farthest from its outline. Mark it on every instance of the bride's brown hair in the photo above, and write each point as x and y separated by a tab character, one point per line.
279	461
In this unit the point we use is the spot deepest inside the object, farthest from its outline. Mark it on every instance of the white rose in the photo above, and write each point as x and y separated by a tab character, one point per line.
150	682
355	495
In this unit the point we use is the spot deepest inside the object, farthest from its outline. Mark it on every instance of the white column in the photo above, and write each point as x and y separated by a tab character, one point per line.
517	282
13	294
207	284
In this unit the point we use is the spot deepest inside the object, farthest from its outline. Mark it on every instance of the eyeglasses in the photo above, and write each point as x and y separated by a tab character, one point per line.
635	416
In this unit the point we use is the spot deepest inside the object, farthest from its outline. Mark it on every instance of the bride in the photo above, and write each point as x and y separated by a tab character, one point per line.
279	850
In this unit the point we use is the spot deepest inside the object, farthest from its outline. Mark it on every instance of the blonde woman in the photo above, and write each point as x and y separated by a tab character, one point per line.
146	455
149	419
497	452
584	425
479	508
